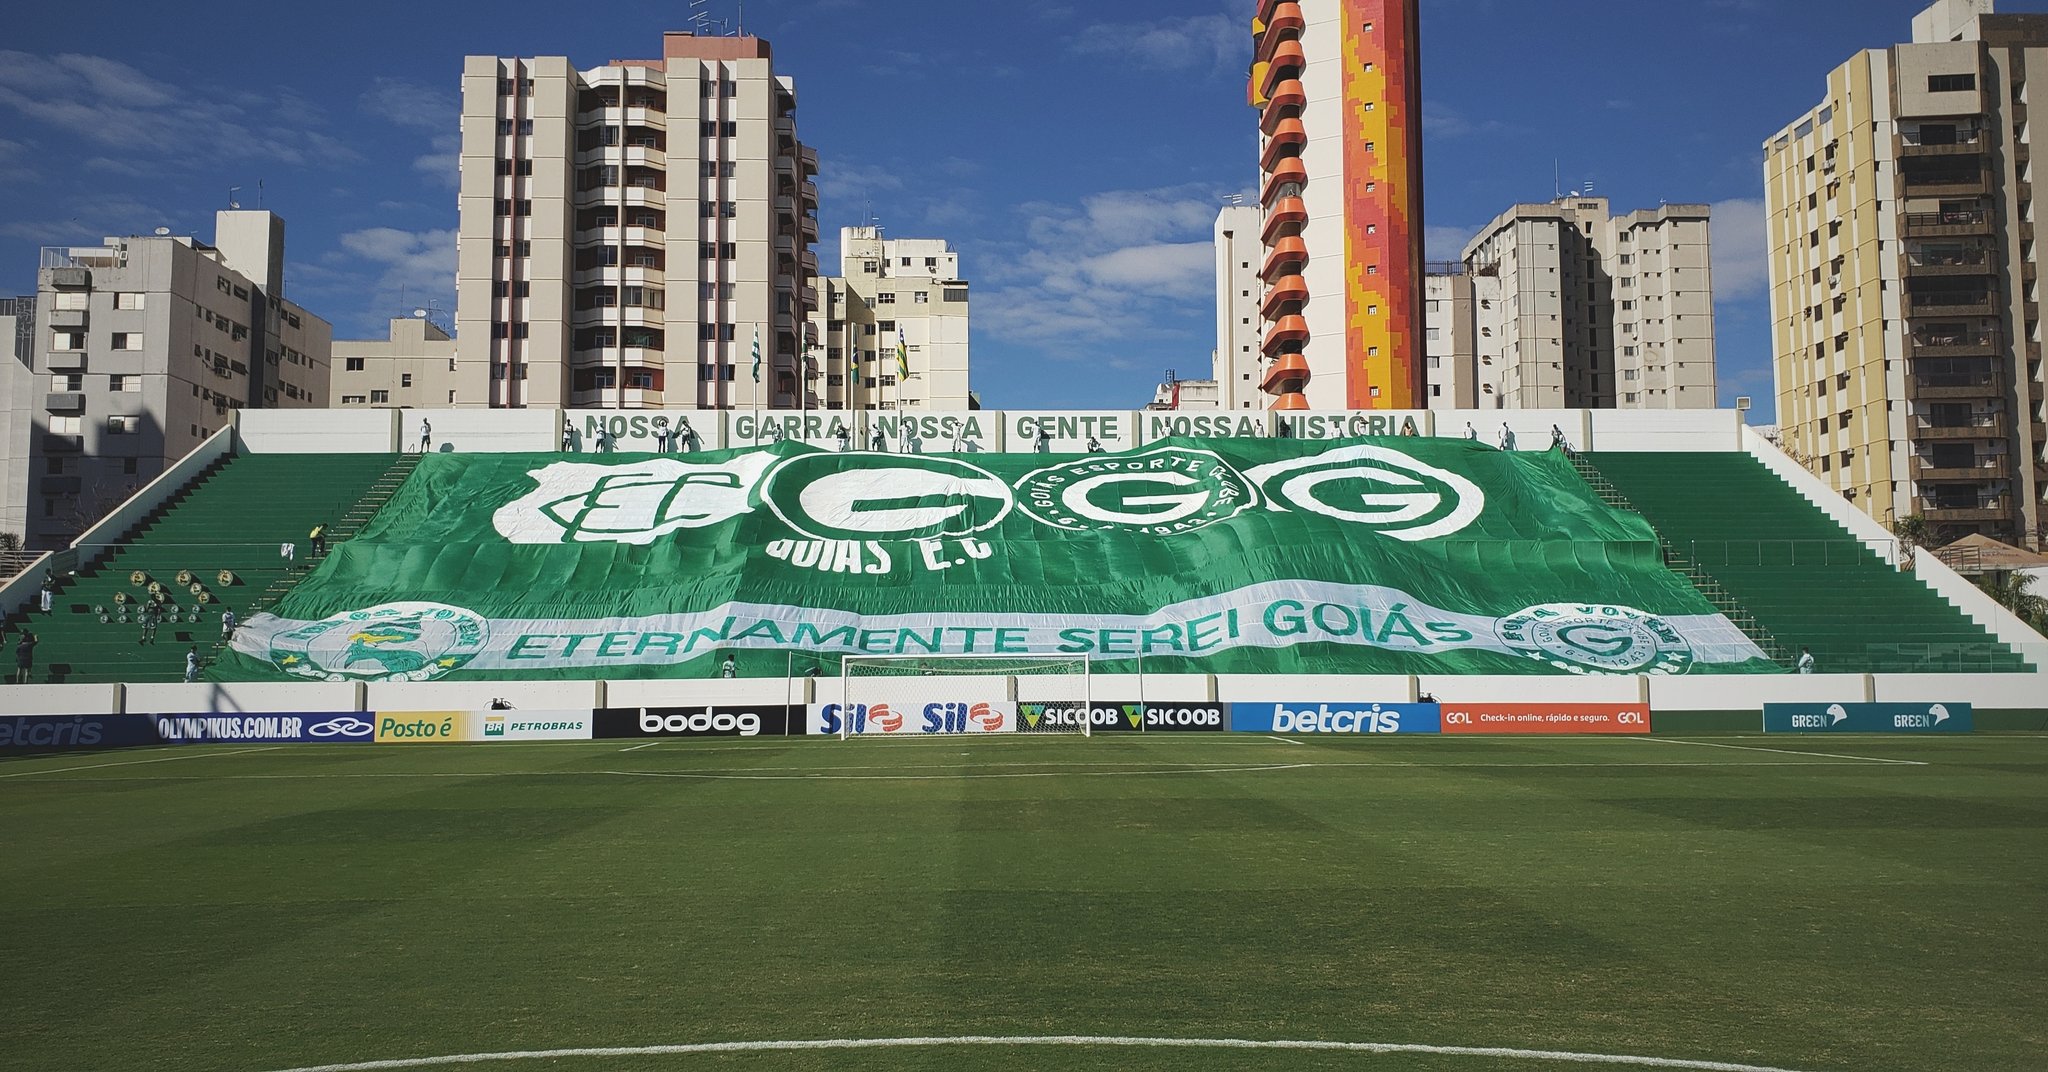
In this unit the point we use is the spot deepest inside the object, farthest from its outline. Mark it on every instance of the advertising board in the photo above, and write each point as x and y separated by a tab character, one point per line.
773	720
1125	717
1547	719
1869	718
57	733
332	728
912	719
1338	718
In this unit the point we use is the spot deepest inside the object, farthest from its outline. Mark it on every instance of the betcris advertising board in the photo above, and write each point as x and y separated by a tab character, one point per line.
1869	718
935	719
1335	718
264	729
59	733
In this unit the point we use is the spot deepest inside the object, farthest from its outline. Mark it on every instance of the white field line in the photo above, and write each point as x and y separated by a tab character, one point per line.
1084	1041
1781	751
638	747
139	762
1284	740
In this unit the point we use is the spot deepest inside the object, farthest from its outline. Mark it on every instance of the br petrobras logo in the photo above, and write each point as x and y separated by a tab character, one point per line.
344	728
1162	492
1381	489
394	642
631	504
885	498
1593	639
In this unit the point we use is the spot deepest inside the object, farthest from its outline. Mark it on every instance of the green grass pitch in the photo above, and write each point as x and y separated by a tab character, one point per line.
1785	903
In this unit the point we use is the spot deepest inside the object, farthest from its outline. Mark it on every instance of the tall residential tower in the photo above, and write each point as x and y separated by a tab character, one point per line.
629	233
1904	278
1338	83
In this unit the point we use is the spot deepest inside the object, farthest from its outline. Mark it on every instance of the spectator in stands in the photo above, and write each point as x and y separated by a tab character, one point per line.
1471	433
1557	440
845	439
1044	439
426	436
1807	665
191	665
876	441
227	625
24	657
318	539
1095	446
568	436
729	668
152	615
686	436
49	594
661	439
288	551
1507	438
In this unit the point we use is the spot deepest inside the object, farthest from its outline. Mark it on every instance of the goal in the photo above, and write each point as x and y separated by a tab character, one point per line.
937	695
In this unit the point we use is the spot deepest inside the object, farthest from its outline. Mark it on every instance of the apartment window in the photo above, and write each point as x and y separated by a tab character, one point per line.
922	297
405	379
75	299
728	88
886	298
887	325
67	340
354	400
128	467
959	295
66	425
379	397
124	383
1951	83
353	364
128	300
123	425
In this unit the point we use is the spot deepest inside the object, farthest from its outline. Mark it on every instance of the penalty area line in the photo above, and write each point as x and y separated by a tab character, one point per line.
638	747
1085	1041
1284	740
1783	751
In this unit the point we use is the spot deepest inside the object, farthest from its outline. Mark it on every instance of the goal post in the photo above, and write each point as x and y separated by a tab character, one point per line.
938	695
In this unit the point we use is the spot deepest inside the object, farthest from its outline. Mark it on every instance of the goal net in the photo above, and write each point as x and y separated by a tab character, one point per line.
910	696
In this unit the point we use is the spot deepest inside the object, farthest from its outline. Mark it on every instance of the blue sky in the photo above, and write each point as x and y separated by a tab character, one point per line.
1075	154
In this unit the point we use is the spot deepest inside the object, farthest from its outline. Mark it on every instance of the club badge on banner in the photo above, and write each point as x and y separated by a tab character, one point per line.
1547	719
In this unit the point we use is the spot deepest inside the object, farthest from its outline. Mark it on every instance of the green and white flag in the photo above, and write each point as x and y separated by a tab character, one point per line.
1383	556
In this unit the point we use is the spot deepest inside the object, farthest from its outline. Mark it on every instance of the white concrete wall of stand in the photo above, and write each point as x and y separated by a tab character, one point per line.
1991	692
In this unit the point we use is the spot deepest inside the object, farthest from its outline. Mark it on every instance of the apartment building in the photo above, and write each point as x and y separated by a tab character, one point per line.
142	348
628	232
1904	278
413	367
897	304
1338	86
1462	373
1597	311
1239	361
17	381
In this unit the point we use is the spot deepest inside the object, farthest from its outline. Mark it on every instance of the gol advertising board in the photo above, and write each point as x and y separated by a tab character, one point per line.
1869	718
912	719
336	728
441	727
60	733
1337	718
774	720
1106	717
1547	719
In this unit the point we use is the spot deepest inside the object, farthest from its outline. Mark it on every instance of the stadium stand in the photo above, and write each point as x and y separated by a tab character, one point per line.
1804	578
232	519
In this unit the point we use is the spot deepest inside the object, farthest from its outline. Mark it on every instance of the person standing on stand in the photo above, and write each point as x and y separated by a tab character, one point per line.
1507	438
318	539
426	436
568	436
661	439
728	669
24	657
1807	665
1471	433
191	665
49	593
227	625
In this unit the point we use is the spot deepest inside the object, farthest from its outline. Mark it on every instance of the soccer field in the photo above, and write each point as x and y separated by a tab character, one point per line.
1846	905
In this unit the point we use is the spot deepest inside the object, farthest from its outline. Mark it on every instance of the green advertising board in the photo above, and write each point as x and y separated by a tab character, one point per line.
1377	556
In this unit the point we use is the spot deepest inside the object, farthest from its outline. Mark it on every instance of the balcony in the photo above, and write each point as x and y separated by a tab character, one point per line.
809	157
67	318
65	361
65	402
1966	344
1288	256
1970	142
1930	263
1289	98
1287	297
1971	183
1285	331
1288	176
1946	388
1985	426
1991	468
1285	218
54	486
1288	140
63	444
1947	224
808	224
1954	303
1287	375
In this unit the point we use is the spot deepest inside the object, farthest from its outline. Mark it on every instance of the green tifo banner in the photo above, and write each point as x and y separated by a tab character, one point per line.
1384	556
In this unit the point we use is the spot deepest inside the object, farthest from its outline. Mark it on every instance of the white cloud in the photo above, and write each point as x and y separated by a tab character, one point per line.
111	103
1741	249
417	265
442	165
855	181
1196	42
413	104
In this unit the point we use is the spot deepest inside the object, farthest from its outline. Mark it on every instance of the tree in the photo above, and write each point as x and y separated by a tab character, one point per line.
1912	530
10	543
2013	591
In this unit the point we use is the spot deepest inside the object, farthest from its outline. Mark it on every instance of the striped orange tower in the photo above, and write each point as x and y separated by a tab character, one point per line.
1338	86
